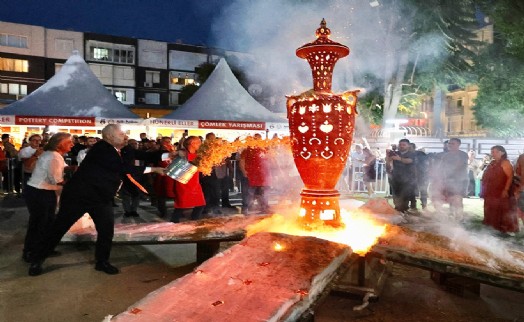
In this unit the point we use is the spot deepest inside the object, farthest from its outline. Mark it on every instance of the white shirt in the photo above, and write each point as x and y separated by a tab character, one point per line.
49	171
357	159
26	153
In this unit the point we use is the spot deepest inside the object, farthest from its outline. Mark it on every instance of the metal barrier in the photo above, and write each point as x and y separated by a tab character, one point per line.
352	179
9	175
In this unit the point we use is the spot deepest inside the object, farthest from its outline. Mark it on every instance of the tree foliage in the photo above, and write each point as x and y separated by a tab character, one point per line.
499	106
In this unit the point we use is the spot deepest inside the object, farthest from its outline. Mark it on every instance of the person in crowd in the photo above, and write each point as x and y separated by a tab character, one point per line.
225	182
11	153
90	142
91	190
80	143
164	186
189	195
403	178
421	178
499	212
369	170
210	185
486	160
242	181
473	171
357	158
254	161
42	188
452	174
28	156
129	192
519	193
389	166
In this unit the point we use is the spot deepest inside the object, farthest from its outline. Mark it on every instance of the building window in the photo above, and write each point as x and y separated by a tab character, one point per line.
14	65
173	98
102	54
116	53
152	98
13	89
152	77
120	95
182	79
13	41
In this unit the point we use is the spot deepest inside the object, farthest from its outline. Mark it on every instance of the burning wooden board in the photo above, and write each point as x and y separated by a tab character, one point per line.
440	253
266	277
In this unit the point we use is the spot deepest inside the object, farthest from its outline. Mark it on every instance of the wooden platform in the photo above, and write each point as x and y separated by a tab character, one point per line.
249	282
206	234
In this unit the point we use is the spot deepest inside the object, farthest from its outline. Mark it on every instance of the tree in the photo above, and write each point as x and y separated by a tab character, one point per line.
431	52
499	106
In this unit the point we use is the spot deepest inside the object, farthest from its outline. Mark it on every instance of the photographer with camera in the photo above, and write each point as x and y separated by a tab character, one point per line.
402	175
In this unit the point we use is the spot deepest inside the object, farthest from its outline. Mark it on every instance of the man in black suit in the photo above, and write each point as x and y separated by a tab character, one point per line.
91	190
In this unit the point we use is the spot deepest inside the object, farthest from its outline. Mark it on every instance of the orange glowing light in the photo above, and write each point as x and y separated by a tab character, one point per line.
358	230
278	247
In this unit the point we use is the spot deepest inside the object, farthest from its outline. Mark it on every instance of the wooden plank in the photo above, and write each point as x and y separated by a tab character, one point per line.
249	282
231	228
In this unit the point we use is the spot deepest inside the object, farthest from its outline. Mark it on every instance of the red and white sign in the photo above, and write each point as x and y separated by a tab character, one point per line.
232	125
55	120
7	119
183	124
102	121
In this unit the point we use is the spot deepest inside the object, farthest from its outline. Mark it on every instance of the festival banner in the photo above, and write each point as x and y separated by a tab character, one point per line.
232	125
179	124
103	121
277	126
54	120
7	119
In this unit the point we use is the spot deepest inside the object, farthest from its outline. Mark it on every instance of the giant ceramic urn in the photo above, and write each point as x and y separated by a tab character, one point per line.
321	125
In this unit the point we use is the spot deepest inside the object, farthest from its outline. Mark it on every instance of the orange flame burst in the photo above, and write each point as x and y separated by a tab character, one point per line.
359	230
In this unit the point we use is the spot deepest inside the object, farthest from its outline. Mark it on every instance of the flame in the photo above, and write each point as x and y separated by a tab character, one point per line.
278	247
359	231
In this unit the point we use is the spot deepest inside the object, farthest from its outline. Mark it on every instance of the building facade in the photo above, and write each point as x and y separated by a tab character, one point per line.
145	75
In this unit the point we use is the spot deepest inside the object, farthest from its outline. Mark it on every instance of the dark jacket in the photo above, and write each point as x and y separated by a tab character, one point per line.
98	178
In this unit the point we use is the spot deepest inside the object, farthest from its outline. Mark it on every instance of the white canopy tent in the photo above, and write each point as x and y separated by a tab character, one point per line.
222	103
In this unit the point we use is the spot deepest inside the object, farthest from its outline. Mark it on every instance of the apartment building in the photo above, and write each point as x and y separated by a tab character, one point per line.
146	75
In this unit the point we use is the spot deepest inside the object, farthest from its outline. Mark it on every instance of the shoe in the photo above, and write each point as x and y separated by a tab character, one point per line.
128	214
35	269
135	214
105	267
217	212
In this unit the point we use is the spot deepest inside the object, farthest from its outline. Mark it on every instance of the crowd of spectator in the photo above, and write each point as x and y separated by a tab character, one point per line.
39	170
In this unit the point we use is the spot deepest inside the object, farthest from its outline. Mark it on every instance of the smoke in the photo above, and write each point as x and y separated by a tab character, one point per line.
272	30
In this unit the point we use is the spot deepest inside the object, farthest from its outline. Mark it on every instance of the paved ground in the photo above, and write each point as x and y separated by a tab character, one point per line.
71	290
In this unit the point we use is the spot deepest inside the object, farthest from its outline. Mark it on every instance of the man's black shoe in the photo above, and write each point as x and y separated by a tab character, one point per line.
26	257
35	269
107	268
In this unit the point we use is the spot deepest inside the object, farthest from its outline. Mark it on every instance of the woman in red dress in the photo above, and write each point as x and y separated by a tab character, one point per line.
189	195
499	212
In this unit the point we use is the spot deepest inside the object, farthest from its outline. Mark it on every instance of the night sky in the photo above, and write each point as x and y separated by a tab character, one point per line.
188	21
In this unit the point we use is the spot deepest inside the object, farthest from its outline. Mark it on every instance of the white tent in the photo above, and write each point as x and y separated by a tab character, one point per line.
222	98
73	92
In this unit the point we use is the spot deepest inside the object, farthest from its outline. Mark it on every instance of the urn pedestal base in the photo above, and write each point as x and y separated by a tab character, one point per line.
319	207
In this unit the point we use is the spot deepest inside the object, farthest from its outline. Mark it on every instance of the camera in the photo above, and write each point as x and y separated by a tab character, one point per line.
391	153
